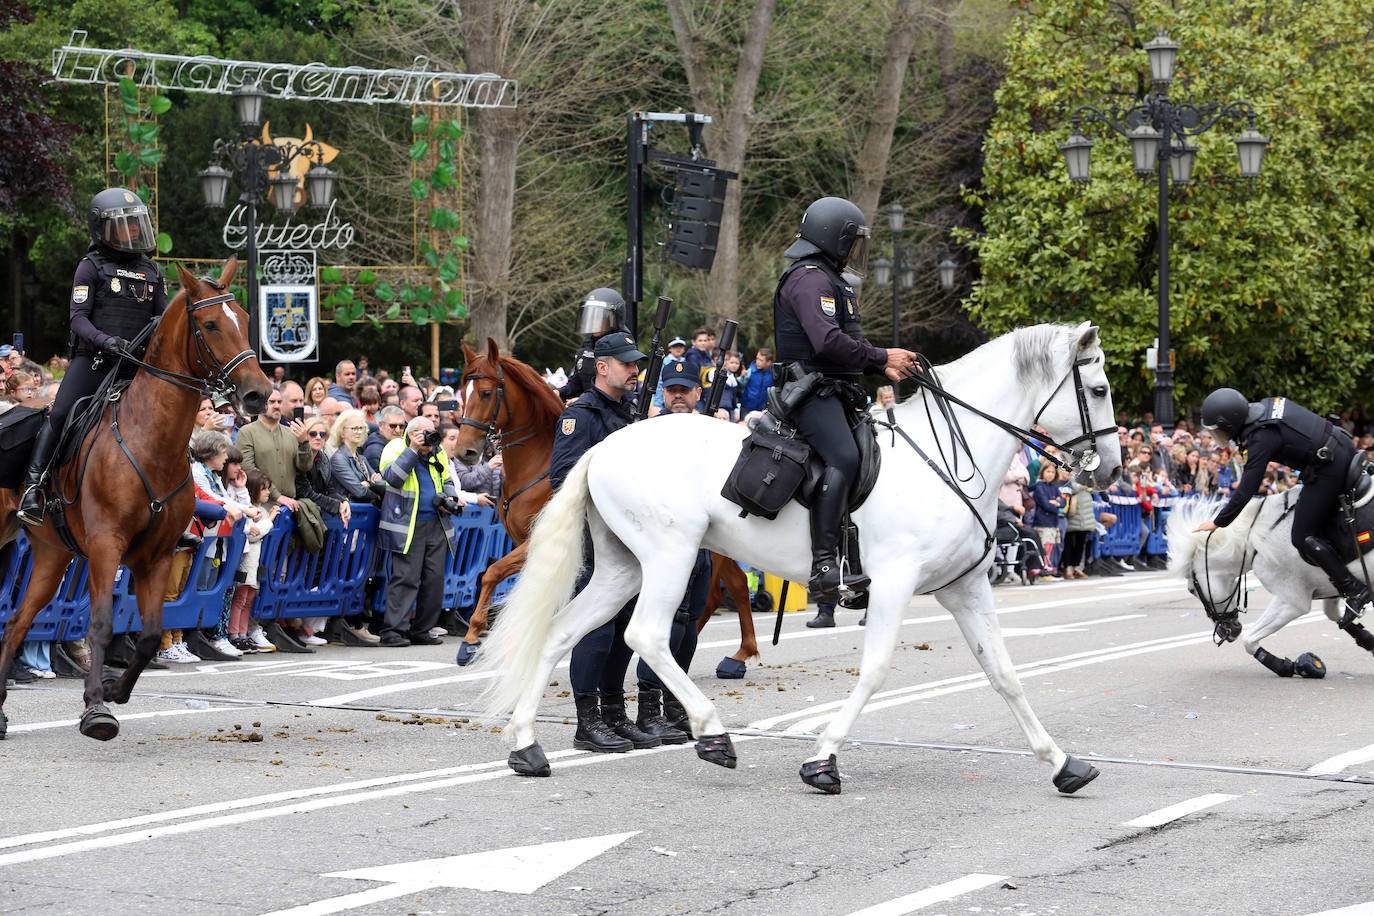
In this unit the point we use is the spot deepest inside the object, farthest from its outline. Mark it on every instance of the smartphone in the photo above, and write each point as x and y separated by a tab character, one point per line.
298	413
225	421
18	343
446	406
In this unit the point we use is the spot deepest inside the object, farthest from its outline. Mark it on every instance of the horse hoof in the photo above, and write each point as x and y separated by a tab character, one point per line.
717	749
467	651
1309	665
1074	775
730	669
822	774
98	723
529	761
4	726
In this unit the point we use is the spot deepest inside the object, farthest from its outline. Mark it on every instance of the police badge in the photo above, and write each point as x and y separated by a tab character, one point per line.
568	426
828	306
114	284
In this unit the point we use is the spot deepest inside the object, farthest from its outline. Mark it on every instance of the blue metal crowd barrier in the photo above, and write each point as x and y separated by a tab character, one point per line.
1123	538
293	582
479	540
65	616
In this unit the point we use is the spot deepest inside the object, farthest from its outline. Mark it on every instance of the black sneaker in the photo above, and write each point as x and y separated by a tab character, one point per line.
423	639
394	641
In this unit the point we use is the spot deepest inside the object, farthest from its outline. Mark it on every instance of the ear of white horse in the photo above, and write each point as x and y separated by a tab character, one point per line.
1087	335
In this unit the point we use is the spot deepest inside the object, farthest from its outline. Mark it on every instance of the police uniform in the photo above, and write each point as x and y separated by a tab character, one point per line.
601	658
583	377
116	291
602	312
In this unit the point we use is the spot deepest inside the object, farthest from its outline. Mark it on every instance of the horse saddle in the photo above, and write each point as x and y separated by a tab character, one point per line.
1359	497
19	426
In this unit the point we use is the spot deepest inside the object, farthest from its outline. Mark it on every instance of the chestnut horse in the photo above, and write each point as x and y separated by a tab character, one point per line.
508	403
131	483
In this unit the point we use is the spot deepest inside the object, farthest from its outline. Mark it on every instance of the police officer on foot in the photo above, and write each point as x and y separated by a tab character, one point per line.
1276	429
601	658
816	328
116	291
601	312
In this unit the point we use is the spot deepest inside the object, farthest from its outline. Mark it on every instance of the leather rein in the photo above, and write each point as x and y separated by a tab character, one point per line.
492	433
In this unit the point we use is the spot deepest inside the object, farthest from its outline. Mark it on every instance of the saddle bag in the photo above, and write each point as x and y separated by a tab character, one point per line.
771	466
19	426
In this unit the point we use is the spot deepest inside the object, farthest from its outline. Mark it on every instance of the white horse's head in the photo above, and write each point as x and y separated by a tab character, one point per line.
1210	562
1068	363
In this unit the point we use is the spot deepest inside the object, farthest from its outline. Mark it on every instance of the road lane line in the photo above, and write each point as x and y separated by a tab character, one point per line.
1341	762
1357	909
1182	809
931	895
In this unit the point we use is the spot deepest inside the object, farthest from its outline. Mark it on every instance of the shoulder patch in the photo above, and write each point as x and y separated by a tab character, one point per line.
828	306
1276	411
80	293
568	426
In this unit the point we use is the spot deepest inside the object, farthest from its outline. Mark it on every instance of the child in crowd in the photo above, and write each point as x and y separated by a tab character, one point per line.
757	379
729	398
257	489
1049	502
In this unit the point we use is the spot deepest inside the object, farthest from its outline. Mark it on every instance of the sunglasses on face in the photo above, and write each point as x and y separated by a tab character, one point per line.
395	426
318	434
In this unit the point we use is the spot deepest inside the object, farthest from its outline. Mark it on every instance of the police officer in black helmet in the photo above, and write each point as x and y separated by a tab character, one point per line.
816	328
117	290
1276	429
601	312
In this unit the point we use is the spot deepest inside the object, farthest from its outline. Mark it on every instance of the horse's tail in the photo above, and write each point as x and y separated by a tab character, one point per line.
552	563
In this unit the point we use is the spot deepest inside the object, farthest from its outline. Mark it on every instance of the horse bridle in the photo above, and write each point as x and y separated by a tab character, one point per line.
492	432
1227	622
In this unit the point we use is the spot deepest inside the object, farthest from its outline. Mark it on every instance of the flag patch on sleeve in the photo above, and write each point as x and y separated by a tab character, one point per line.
828	306
568	427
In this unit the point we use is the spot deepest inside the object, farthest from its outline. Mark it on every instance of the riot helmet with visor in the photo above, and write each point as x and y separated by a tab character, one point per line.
835	227
119	220
601	312
1224	414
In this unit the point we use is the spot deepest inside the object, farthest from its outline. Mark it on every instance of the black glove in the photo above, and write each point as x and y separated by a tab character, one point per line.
114	346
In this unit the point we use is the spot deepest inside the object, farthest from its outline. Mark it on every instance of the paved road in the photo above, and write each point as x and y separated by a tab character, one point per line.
1208	801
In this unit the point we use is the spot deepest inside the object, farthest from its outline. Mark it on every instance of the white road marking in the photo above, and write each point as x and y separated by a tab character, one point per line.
1076	627
1182	809
1357	909
1341	762
517	870
931	895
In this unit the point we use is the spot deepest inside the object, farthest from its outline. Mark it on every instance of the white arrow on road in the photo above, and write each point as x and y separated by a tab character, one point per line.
517	870
1075	627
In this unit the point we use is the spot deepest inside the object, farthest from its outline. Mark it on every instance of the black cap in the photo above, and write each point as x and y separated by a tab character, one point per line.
679	374
619	345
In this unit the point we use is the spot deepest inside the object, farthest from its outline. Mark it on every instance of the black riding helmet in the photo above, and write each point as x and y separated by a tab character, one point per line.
836	227
118	220
1225	411
602	311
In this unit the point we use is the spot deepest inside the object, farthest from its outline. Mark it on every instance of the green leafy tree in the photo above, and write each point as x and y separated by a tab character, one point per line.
1271	288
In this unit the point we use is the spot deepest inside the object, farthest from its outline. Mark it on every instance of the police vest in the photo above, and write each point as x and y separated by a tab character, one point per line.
1303	431
790	337
585	362
123	296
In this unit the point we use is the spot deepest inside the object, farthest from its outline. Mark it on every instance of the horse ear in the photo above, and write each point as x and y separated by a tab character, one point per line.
469	354
226	274
188	279
1087	335
493	351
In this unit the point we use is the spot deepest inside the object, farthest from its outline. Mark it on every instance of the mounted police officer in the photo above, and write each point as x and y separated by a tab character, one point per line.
601	312
117	290
1276	429
816	328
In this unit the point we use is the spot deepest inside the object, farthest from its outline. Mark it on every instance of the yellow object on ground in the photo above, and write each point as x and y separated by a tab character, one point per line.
796	592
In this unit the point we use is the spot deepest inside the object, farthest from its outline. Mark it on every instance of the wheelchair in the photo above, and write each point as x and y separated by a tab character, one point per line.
1010	556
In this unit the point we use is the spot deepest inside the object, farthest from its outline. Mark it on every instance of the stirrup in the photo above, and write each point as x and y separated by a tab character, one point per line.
33	515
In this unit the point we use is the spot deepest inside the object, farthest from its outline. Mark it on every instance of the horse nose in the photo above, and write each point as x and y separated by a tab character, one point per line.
254	402
469	456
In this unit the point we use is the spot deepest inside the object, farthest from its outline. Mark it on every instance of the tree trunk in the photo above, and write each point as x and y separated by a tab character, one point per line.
872	164
944	49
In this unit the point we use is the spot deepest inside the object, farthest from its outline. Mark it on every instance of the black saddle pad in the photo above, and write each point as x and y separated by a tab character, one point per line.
1339	536
18	428
870	462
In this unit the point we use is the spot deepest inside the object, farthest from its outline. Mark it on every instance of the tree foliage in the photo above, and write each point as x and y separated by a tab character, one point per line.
1271	291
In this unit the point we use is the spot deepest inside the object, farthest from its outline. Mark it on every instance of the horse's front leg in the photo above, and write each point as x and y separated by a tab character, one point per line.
150	588
1281	611
49	563
970	601
495	574
97	721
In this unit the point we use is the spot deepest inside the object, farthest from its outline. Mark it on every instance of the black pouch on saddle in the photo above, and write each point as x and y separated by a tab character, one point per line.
771	466
19	426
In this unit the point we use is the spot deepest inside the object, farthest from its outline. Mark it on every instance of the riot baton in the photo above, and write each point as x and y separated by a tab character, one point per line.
656	353
782	608
727	341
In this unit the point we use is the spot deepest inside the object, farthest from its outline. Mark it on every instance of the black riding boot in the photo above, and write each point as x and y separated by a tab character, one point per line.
827	523
613	714
650	718
31	505
1356	594
593	734
675	714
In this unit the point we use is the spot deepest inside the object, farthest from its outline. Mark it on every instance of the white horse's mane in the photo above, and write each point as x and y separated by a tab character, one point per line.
1032	352
1225	546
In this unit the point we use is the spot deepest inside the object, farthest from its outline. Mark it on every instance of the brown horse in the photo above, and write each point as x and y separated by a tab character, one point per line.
131	483
508	403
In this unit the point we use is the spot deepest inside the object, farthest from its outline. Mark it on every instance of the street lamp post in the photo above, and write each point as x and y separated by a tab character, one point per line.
255	161
1158	131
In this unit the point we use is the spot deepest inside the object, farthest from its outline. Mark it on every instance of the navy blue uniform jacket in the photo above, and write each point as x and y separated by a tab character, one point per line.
584	423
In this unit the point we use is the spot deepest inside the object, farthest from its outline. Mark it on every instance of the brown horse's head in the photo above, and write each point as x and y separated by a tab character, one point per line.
483	399
223	330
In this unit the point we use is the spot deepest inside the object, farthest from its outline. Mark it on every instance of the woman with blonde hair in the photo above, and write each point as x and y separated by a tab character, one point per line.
316	390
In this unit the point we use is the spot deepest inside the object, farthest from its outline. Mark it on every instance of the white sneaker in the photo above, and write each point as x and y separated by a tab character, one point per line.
167	655
225	647
43	672
314	641
258	638
184	655
436	632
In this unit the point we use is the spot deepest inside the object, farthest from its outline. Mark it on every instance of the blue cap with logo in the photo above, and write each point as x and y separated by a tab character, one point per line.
619	345
681	375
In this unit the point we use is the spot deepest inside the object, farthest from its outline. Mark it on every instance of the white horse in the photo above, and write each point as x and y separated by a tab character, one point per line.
1260	538
916	535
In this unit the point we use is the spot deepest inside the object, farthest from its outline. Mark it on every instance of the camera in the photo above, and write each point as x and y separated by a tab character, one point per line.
447	503
432	438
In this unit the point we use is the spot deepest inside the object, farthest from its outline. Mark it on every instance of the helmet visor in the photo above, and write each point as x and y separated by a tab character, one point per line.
127	229
857	262
597	317
1219	435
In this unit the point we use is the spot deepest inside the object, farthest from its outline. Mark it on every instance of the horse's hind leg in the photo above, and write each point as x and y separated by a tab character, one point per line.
971	604
1280	612
49	563
150	587
502	569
